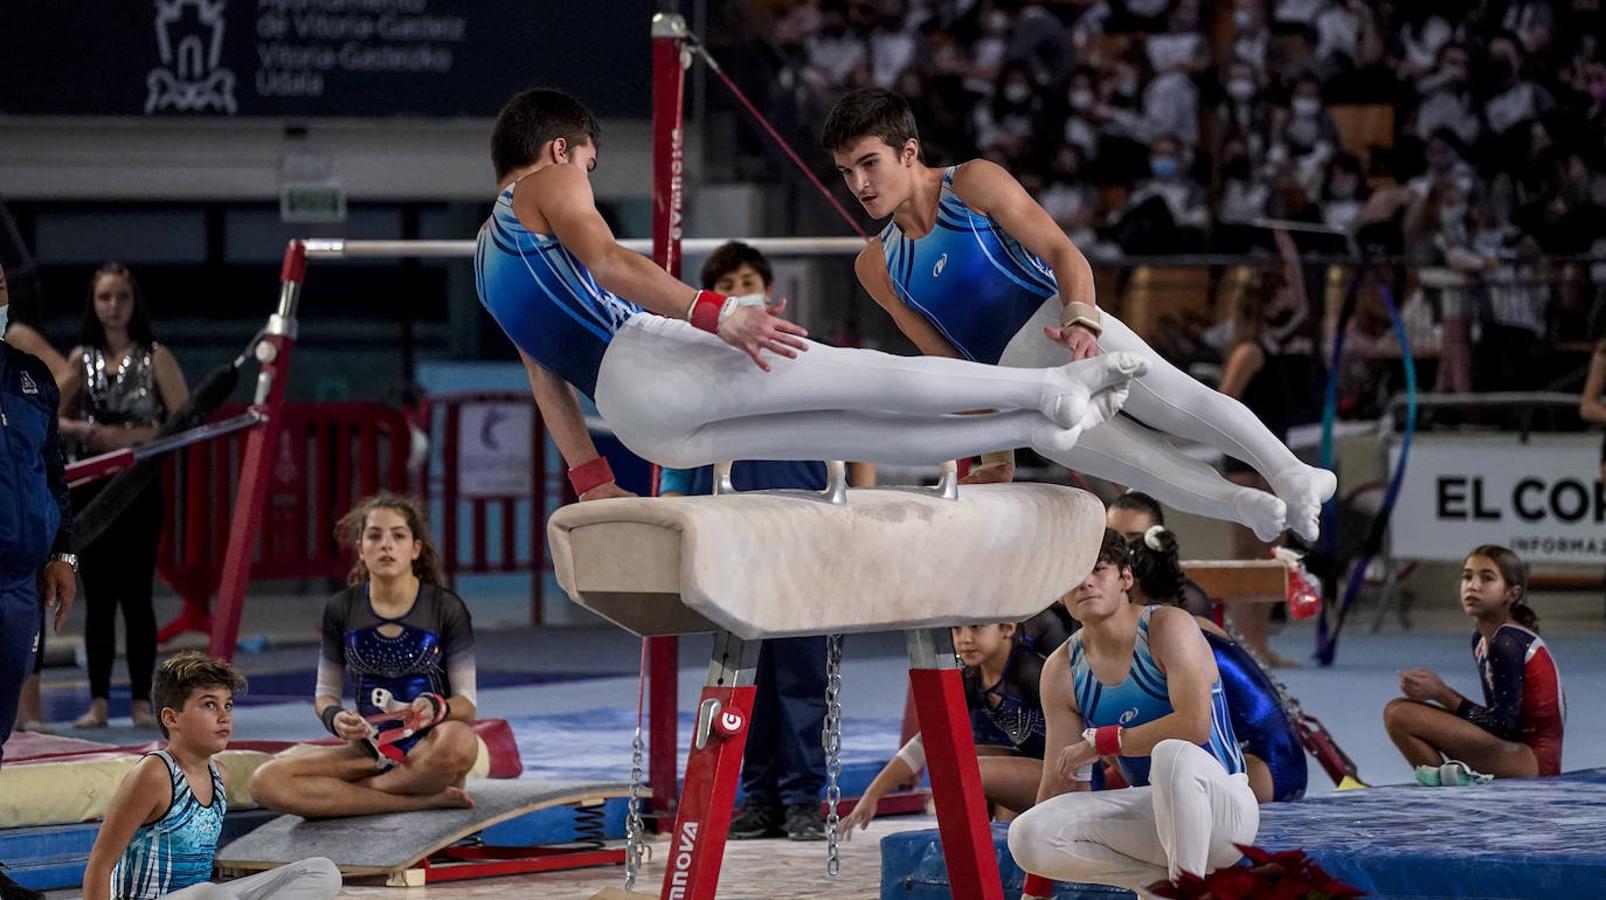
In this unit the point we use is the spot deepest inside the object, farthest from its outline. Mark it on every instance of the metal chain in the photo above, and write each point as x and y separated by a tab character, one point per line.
831	737
635	843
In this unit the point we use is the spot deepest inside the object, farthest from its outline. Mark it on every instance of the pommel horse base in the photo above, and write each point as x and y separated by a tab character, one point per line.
771	564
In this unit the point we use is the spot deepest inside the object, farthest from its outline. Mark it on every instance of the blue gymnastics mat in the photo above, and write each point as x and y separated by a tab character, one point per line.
1535	839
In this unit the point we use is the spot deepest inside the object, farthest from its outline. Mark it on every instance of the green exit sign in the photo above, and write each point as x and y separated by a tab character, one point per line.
312	202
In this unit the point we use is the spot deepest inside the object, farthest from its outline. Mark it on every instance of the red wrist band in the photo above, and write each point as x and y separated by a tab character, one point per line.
590	475
705	311
1107	740
1037	886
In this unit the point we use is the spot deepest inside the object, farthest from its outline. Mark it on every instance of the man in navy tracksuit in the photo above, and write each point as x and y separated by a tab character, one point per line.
35	527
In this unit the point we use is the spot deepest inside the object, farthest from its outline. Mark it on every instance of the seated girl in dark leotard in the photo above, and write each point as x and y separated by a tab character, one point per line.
1274	757
395	630
1516	732
1006	720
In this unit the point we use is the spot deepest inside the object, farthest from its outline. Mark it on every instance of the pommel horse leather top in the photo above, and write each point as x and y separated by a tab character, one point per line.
767	564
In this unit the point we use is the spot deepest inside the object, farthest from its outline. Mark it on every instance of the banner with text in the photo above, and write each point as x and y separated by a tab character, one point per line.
315	58
1543	498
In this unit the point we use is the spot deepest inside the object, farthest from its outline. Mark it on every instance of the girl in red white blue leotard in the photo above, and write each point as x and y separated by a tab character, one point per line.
1516	732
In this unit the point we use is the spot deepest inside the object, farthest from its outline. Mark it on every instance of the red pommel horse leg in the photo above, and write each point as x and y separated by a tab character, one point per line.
713	767
967	837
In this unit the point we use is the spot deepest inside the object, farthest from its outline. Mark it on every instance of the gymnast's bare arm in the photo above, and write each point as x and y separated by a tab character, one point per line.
561	415
1181	652
141	798
561	196
988	189
1063	747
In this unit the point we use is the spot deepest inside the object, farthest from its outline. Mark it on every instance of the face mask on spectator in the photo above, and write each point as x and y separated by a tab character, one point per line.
1163	166
1081	98
5	314
1243	18
1307	106
1450	216
1241	89
1343	188
1017	93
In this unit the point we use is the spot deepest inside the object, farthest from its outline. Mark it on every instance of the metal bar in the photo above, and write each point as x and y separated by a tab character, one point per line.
462	249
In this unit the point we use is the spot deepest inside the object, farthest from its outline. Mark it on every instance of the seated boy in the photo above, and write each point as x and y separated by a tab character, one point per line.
161	830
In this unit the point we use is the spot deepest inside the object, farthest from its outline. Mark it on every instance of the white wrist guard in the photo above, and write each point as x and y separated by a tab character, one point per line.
913	754
1083	314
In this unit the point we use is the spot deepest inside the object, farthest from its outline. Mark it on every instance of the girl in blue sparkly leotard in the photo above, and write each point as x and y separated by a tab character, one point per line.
407	644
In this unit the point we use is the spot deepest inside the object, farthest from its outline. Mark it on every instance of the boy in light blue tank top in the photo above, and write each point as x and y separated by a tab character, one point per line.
970	266
162	826
1139	685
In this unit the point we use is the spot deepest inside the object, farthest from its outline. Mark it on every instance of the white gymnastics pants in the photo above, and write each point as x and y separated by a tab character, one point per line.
1173	402
1186	820
682	397
307	879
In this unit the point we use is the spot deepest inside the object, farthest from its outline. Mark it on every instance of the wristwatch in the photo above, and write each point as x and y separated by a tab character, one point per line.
70	559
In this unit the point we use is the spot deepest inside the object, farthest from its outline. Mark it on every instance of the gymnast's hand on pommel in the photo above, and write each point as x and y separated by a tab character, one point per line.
607	491
754	329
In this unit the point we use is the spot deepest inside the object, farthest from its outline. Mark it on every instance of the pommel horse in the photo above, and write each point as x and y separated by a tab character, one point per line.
771	564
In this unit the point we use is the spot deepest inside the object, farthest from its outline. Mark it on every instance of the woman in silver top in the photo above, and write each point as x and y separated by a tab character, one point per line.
118	388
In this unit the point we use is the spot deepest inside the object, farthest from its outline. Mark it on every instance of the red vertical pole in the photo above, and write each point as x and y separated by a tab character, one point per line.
967	839
713	768
668	161
261	445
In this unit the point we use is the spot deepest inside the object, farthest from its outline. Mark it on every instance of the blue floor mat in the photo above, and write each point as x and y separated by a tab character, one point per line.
1530	839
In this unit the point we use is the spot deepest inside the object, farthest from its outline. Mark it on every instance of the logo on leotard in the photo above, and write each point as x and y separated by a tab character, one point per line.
942	263
1129	715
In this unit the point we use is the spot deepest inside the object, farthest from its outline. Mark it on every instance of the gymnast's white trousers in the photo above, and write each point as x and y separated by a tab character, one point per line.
1186	820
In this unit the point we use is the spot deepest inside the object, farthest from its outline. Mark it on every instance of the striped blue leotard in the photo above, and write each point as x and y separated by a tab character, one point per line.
1142	697
175	851
968	277
544	298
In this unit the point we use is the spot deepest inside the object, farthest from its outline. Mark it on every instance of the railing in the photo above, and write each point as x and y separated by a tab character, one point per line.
327	456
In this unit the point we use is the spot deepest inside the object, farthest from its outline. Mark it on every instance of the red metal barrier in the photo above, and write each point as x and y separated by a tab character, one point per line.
326	457
507	491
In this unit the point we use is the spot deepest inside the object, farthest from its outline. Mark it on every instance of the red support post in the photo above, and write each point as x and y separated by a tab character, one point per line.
713	768
669	61
261	446
967	839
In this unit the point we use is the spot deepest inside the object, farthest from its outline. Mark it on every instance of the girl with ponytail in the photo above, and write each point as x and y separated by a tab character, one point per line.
1517	731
